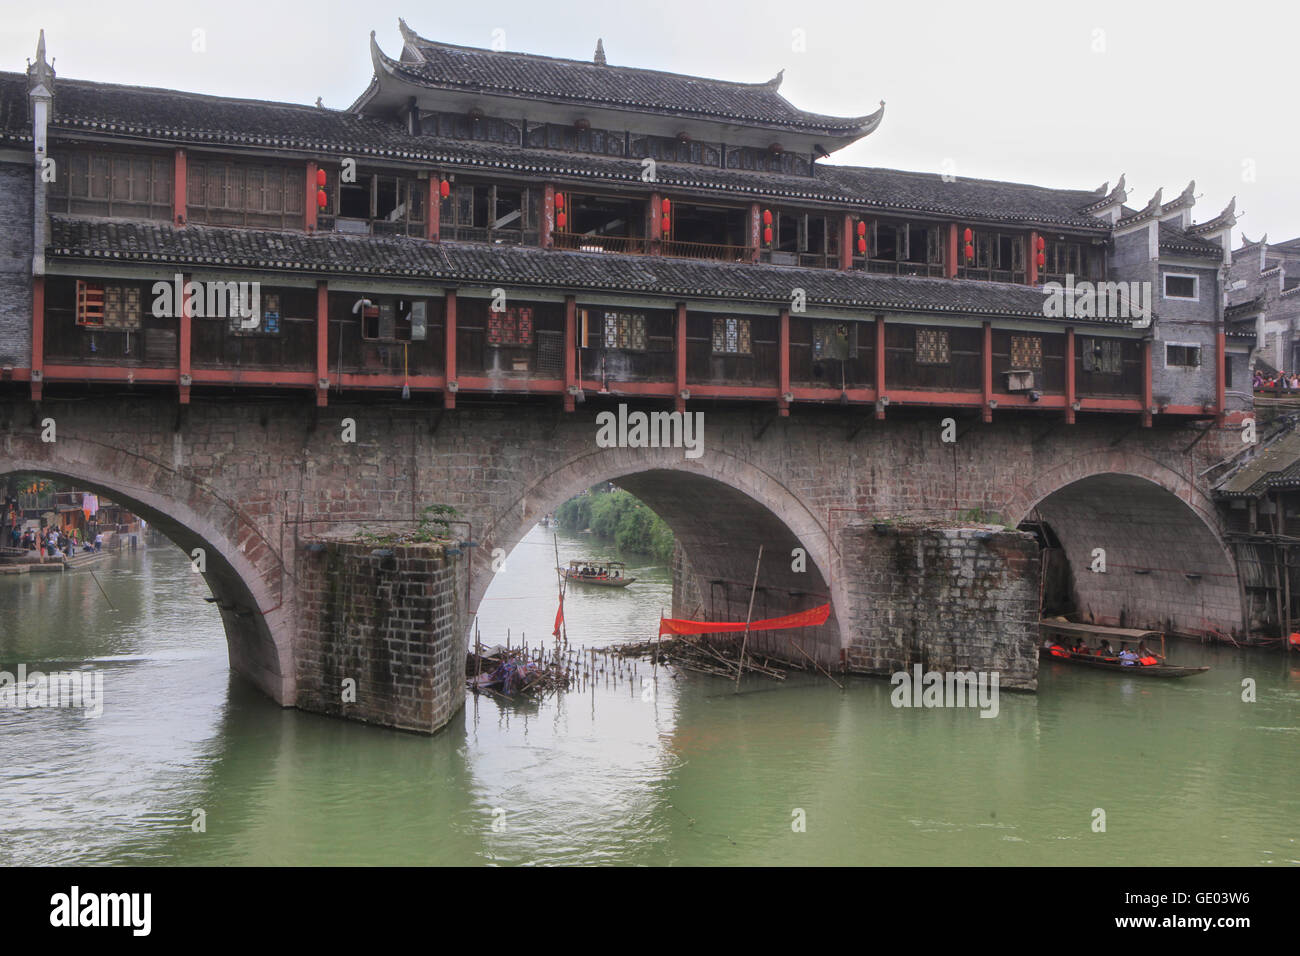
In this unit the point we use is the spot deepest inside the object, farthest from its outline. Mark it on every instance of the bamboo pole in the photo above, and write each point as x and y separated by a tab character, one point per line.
753	589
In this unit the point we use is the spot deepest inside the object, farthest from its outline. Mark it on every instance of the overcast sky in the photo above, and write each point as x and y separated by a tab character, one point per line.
1066	95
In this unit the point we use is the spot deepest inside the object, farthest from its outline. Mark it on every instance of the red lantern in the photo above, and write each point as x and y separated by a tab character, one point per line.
767	217
559	200
767	235
321	199
862	228
666	224
1042	260
444	189
970	251
1042	243
666	206
320	178
560	220
966	237
862	246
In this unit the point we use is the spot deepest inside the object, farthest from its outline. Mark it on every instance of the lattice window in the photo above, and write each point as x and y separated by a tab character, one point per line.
625	330
268	321
1026	351
514	326
1104	356
90	303
932	347
731	336
834	340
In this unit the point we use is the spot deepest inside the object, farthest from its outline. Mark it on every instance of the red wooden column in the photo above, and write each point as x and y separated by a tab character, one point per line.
847	239
783	375
679	355
434	222
1069	377
312	208
186	341
449	351
38	336
548	216
755	231
950	253
656	232
179	213
570	351
1031	261
1146	383
1220	377
322	342
986	355
880	366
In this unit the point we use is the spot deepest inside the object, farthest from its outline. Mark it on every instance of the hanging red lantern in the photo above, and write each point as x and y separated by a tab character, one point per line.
970	251
666	224
1042	243
1042	260
321	199
320	178
966	236
767	235
767	217
559	200
666	206
862	228
560	220
862	246
444	189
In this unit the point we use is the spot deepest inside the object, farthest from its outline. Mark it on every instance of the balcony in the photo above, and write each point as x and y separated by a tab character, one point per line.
717	251
598	243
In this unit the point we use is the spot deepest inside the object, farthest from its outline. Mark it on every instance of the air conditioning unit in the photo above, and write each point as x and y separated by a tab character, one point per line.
1019	380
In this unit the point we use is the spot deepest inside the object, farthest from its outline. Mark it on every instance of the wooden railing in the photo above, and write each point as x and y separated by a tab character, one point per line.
894	267
707	250
585	243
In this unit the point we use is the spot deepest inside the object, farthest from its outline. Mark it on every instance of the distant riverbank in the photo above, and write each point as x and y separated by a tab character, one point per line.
614	515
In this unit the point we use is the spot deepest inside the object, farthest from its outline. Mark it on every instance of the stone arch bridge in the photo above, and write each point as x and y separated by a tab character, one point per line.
876	506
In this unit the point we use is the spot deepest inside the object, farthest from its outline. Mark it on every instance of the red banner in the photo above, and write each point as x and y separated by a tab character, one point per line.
808	618
559	617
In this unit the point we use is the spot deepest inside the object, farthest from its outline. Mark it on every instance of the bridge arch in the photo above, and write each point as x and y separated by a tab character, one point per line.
1167	566
242	569
719	508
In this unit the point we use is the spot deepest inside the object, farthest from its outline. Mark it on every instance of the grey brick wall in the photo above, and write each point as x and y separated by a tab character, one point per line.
1185	322
15	264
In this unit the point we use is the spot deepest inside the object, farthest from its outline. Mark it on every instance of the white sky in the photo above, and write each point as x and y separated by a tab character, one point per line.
1001	90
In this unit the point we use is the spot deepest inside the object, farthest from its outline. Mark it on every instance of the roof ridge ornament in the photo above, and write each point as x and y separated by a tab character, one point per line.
599	58
39	72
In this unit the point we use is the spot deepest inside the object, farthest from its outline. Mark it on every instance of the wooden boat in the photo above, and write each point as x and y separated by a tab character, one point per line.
1115	664
604	574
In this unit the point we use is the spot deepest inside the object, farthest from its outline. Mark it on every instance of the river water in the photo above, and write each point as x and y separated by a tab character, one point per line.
690	773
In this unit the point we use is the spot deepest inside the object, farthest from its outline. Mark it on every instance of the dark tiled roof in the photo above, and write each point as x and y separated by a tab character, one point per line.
446	66
174	118
1277	465
1174	240
111	240
1242	310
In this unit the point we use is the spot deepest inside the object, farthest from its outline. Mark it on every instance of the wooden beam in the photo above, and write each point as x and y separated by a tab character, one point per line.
950	253
38	336
434	222
322	341
449	348
986	355
312	209
679	356
547	231
179	212
1146	383
1069	377
847	239
186	340
570	352
755	230
783	360
880	366
1031	260
656	230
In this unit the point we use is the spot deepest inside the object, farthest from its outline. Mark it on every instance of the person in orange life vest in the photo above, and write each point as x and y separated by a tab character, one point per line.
1081	647
1145	657
1104	649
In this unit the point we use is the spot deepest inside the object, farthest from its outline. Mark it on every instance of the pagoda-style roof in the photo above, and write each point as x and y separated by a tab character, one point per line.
1277	465
113	241
171	118
430	65
1175	241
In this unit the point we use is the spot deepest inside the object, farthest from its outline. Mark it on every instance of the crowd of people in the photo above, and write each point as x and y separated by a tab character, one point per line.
1126	655
50	542
1286	381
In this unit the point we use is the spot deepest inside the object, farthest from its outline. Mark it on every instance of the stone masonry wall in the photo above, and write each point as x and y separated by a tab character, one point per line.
391	619
16	263
945	598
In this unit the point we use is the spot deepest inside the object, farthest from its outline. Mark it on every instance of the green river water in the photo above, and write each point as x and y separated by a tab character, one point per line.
1186	772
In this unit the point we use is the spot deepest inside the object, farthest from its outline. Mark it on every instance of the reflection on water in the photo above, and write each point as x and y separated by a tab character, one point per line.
1186	772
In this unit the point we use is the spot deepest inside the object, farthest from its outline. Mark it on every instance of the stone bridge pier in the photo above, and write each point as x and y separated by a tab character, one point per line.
910	538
